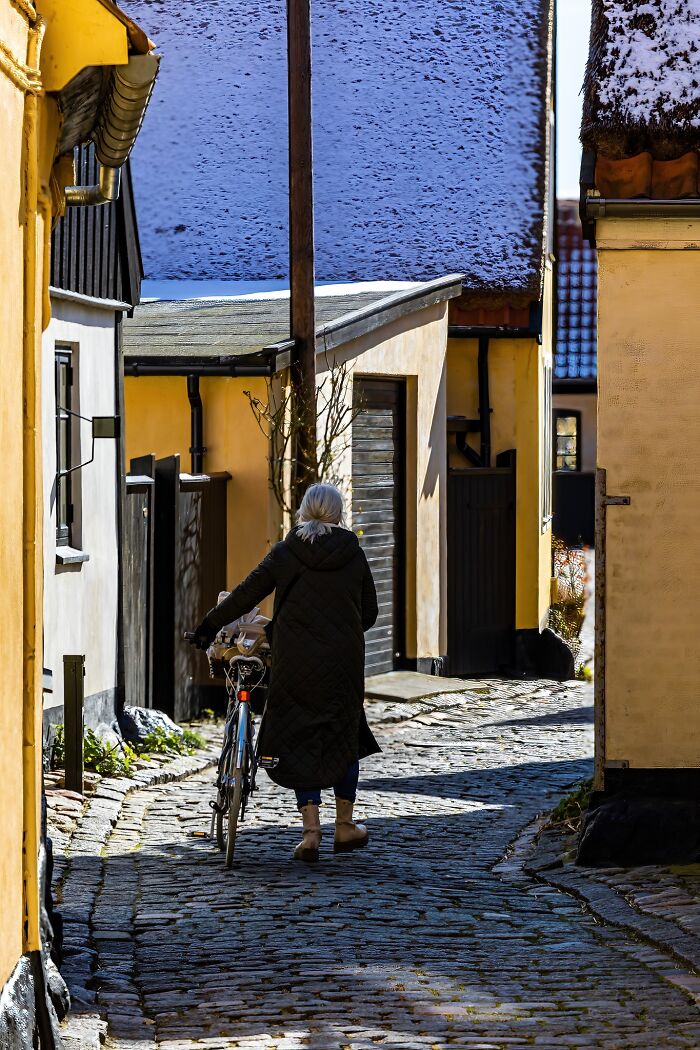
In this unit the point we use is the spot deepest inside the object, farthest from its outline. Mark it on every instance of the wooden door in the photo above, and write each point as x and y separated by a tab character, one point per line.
379	510
138	590
481	570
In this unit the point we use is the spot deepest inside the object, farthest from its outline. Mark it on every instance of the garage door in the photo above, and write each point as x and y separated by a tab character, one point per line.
378	509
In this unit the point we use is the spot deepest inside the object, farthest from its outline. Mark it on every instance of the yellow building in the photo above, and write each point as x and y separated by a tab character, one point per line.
60	64
640	179
391	459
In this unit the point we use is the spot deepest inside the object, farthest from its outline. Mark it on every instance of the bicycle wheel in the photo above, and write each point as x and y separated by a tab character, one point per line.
233	812
223	799
221	820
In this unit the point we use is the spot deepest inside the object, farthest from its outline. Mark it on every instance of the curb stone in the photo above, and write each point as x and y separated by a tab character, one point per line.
548	862
81	877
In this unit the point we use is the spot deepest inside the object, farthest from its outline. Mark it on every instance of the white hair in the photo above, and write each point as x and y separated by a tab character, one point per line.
321	509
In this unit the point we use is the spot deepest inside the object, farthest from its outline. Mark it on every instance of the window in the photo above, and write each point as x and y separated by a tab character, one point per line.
64	446
567	437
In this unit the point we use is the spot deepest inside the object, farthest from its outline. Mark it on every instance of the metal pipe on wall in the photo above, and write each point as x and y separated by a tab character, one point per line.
484	402
197	448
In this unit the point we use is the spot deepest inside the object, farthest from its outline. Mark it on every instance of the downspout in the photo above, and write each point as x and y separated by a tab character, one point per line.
197	448
484	402
119	124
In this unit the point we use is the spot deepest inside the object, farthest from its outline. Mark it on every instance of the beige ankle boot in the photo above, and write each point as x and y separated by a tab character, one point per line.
308	847
348	835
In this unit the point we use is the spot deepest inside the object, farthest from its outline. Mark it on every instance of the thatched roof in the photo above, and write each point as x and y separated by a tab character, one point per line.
642	88
430	141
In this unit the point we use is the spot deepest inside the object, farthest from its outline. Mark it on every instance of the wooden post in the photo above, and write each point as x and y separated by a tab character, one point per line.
301	243
73	720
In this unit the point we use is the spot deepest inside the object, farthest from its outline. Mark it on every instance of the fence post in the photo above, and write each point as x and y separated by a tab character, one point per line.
73	728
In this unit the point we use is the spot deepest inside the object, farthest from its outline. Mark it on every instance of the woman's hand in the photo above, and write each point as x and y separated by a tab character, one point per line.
204	634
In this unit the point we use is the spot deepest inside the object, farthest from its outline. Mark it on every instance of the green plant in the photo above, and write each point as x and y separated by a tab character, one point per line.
167	742
584	672
567	614
569	811
108	760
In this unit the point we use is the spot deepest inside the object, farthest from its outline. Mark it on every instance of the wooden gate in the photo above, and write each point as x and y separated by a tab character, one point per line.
138	584
481	570
378	509
190	570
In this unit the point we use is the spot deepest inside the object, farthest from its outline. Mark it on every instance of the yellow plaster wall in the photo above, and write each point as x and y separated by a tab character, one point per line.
13	34
158	421
649	443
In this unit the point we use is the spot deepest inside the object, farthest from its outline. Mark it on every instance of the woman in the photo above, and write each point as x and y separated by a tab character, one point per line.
315	724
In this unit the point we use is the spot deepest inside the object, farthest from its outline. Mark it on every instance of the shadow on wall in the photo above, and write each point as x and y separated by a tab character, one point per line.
436	439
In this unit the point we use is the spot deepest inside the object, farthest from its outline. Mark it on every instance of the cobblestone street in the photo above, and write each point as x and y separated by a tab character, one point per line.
431	938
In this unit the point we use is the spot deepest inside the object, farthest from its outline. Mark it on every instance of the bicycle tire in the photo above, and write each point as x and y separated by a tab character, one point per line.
220	817
233	812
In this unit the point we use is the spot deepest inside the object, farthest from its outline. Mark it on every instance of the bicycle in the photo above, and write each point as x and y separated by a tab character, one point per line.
244	666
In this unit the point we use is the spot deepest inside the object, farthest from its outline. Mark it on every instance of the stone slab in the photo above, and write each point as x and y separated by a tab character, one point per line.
405	686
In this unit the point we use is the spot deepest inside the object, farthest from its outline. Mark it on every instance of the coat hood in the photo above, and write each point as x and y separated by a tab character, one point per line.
331	551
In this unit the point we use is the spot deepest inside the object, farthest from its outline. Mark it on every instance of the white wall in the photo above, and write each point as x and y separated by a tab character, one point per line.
80	601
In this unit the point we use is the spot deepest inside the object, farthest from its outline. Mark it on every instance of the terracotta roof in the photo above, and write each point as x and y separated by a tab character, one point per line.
577	282
647	176
641	92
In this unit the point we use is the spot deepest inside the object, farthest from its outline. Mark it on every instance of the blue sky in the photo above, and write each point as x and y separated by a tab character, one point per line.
573	18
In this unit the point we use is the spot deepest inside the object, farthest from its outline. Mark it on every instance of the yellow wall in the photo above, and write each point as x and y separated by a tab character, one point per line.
516	389
28	131
158	421
29	124
649	443
13	33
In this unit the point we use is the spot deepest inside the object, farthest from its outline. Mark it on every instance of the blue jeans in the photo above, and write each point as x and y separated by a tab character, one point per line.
345	789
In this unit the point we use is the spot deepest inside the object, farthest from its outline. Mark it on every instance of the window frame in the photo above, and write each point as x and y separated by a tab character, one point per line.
64	358
566	413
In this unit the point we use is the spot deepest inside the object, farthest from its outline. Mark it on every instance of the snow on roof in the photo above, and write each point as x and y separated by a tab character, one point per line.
643	79
430	141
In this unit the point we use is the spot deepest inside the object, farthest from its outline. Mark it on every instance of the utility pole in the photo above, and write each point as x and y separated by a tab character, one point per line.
301	243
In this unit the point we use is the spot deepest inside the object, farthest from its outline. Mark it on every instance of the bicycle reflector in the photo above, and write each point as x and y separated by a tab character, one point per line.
244	696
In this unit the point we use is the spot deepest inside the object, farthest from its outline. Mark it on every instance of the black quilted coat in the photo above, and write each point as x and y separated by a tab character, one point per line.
315	722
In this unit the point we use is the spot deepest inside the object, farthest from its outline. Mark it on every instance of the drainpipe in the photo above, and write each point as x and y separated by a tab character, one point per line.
197	448
118	125
484	403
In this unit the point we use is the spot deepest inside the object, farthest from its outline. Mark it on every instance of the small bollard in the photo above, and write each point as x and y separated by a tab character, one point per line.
73	726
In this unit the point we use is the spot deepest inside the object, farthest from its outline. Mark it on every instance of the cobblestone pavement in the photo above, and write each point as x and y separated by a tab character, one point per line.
426	940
